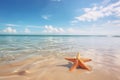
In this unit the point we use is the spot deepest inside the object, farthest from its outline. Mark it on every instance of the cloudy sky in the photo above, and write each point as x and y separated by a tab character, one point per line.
82	17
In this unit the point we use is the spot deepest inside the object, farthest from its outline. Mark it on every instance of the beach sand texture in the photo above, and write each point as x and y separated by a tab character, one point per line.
54	68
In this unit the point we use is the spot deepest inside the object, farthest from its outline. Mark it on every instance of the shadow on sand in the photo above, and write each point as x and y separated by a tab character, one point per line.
66	65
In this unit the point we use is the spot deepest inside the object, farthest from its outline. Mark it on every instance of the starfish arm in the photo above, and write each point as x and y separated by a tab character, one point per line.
83	59
74	65
86	59
71	59
82	65
78	56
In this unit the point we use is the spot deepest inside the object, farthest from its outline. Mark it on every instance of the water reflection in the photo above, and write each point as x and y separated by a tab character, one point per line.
99	48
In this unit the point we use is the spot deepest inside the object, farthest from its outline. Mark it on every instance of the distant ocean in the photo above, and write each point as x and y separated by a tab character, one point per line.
17	47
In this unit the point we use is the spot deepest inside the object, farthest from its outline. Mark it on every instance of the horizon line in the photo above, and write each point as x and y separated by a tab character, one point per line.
59	35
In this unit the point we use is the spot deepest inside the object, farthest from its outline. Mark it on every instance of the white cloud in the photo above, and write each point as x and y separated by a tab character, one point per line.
71	30
74	22
9	30
46	17
97	12
106	28
51	29
95	29
27	30
10	25
114	22
79	31
105	2
33	26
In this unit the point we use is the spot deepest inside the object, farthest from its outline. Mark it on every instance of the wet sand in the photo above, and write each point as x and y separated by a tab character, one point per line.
54	68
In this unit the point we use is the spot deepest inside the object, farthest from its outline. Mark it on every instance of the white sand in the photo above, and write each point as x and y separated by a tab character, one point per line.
53	68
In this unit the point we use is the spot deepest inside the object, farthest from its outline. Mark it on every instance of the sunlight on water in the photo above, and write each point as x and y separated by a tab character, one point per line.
18	47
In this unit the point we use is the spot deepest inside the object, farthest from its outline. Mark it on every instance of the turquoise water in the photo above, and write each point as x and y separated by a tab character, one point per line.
18	47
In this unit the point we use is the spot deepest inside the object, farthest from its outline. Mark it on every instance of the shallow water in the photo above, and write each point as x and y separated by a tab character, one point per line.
104	51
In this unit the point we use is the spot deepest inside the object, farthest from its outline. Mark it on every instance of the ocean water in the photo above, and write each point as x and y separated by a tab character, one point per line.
18	47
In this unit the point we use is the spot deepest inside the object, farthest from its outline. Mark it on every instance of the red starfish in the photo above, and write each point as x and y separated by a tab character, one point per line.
79	62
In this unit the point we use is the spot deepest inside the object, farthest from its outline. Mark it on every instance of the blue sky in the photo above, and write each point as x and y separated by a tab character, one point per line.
82	17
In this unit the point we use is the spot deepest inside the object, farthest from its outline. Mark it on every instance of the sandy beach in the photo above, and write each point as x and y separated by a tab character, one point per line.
54	68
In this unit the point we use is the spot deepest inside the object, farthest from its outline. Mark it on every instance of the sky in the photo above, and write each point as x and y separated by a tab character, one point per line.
77	17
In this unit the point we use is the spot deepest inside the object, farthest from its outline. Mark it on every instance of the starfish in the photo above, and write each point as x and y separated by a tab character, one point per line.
79	62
